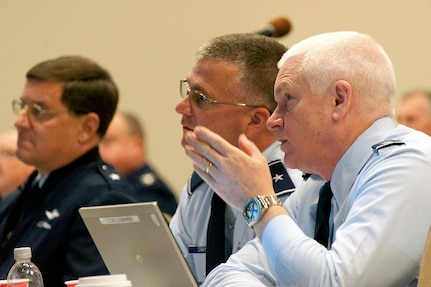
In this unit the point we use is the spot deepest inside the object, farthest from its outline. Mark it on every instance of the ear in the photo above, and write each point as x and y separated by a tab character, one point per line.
89	125
258	117
137	142
342	99
138	146
257	123
257	131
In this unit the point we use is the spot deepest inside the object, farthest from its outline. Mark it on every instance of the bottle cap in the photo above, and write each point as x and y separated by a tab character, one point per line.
22	253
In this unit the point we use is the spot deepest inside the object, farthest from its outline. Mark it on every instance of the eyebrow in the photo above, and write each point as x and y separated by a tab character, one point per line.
42	104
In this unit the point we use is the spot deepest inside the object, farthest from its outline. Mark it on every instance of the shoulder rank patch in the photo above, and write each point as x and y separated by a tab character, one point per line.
108	172
385	144
281	181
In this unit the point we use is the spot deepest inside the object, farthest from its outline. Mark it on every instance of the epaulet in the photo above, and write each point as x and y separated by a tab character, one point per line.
384	144
281	181
109	173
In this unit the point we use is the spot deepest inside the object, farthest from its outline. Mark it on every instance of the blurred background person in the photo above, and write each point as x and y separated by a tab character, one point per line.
414	111
123	146
13	171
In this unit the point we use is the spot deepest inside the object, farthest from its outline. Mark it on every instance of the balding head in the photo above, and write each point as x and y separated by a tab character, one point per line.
414	111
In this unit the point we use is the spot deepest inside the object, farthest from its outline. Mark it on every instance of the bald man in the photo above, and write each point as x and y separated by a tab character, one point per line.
415	111
13	171
123	146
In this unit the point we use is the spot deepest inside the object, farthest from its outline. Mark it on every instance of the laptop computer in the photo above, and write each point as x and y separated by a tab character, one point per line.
135	239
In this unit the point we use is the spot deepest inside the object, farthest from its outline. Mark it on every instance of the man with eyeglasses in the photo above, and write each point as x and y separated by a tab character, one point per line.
230	91
13	171
64	110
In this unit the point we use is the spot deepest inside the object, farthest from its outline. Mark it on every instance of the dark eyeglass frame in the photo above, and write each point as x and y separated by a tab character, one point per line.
197	97
34	110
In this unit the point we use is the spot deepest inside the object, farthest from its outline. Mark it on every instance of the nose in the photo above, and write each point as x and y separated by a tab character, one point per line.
275	121
183	107
22	121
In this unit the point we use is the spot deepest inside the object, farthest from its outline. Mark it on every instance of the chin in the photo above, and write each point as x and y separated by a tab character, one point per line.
183	142
289	162
24	156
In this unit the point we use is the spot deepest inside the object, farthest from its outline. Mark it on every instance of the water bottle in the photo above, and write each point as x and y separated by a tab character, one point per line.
24	268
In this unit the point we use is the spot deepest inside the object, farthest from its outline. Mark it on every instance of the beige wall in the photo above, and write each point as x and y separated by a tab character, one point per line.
149	45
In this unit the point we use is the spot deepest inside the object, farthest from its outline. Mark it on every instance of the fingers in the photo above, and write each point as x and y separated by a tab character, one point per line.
223	165
199	161
208	147
223	147
247	146
202	151
218	143
206	158
207	170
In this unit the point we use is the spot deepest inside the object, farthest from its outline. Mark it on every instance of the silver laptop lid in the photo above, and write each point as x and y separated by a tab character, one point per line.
135	239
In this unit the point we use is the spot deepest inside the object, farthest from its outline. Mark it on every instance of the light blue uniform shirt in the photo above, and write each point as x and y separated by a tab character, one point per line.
381	213
190	221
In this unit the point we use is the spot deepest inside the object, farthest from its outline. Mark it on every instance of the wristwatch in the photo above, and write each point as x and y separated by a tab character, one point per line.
255	207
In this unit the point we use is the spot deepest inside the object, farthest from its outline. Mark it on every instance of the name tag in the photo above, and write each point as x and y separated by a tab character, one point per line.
197	249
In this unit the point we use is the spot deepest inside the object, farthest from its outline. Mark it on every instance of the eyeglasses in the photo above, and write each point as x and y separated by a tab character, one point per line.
34	110
201	100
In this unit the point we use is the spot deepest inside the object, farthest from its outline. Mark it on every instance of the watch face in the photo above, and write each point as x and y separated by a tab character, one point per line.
252	211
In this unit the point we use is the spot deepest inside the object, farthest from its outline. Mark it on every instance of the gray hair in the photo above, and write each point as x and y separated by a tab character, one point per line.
350	56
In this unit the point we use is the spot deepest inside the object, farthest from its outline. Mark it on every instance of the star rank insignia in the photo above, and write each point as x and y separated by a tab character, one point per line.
277	177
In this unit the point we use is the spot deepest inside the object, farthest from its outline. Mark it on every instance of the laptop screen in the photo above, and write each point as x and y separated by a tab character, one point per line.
135	239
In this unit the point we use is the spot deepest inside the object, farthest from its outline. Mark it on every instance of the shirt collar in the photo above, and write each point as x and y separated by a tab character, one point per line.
356	156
